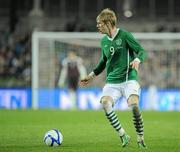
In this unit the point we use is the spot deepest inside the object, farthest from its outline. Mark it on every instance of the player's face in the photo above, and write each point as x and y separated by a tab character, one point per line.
102	28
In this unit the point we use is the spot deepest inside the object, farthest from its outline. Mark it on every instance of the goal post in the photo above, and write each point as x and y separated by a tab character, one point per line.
49	47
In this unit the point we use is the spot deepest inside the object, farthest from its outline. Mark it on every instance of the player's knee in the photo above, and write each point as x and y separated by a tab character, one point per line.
107	102
106	99
133	100
135	109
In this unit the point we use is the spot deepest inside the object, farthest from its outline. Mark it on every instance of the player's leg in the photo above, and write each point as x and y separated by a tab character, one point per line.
73	86
131	92
133	102
107	103
73	98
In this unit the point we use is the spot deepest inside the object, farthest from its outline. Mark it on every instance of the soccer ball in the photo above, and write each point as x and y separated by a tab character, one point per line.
53	138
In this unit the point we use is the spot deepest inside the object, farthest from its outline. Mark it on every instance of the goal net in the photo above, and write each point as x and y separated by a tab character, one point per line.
49	49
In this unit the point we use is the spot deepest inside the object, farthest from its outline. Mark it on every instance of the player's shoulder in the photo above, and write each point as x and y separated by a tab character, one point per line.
126	34
104	38
123	31
67	60
79	60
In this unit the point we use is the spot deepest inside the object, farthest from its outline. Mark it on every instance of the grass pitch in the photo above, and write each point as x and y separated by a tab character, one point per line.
85	131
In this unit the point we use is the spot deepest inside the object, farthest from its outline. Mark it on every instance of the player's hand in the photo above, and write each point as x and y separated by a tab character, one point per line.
135	64
85	81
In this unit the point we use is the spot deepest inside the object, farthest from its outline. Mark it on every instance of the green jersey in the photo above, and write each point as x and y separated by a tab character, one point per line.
117	53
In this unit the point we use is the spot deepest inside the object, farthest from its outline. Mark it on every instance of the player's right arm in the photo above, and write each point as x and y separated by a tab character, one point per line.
99	68
87	79
101	65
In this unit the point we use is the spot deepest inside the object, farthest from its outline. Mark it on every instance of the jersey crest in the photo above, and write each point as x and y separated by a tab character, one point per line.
118	42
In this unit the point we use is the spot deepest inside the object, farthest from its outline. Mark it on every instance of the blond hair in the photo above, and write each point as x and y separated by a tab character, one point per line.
107	15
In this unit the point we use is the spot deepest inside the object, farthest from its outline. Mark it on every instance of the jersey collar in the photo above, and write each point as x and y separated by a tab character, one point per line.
111	39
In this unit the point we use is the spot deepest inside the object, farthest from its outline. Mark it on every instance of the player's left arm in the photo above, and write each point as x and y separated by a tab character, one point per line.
63	74
81	68
138	49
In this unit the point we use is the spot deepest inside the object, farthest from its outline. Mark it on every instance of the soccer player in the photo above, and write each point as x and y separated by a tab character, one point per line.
121	56
72	71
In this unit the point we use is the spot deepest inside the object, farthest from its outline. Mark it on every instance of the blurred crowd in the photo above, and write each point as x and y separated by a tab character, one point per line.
15	59
161	69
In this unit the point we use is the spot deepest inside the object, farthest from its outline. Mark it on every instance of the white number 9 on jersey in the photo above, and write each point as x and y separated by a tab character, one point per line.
111	50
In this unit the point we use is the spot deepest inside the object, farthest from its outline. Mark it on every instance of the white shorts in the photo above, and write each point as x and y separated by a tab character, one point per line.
124	89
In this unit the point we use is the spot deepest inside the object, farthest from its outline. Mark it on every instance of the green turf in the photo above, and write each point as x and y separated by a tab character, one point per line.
85	131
